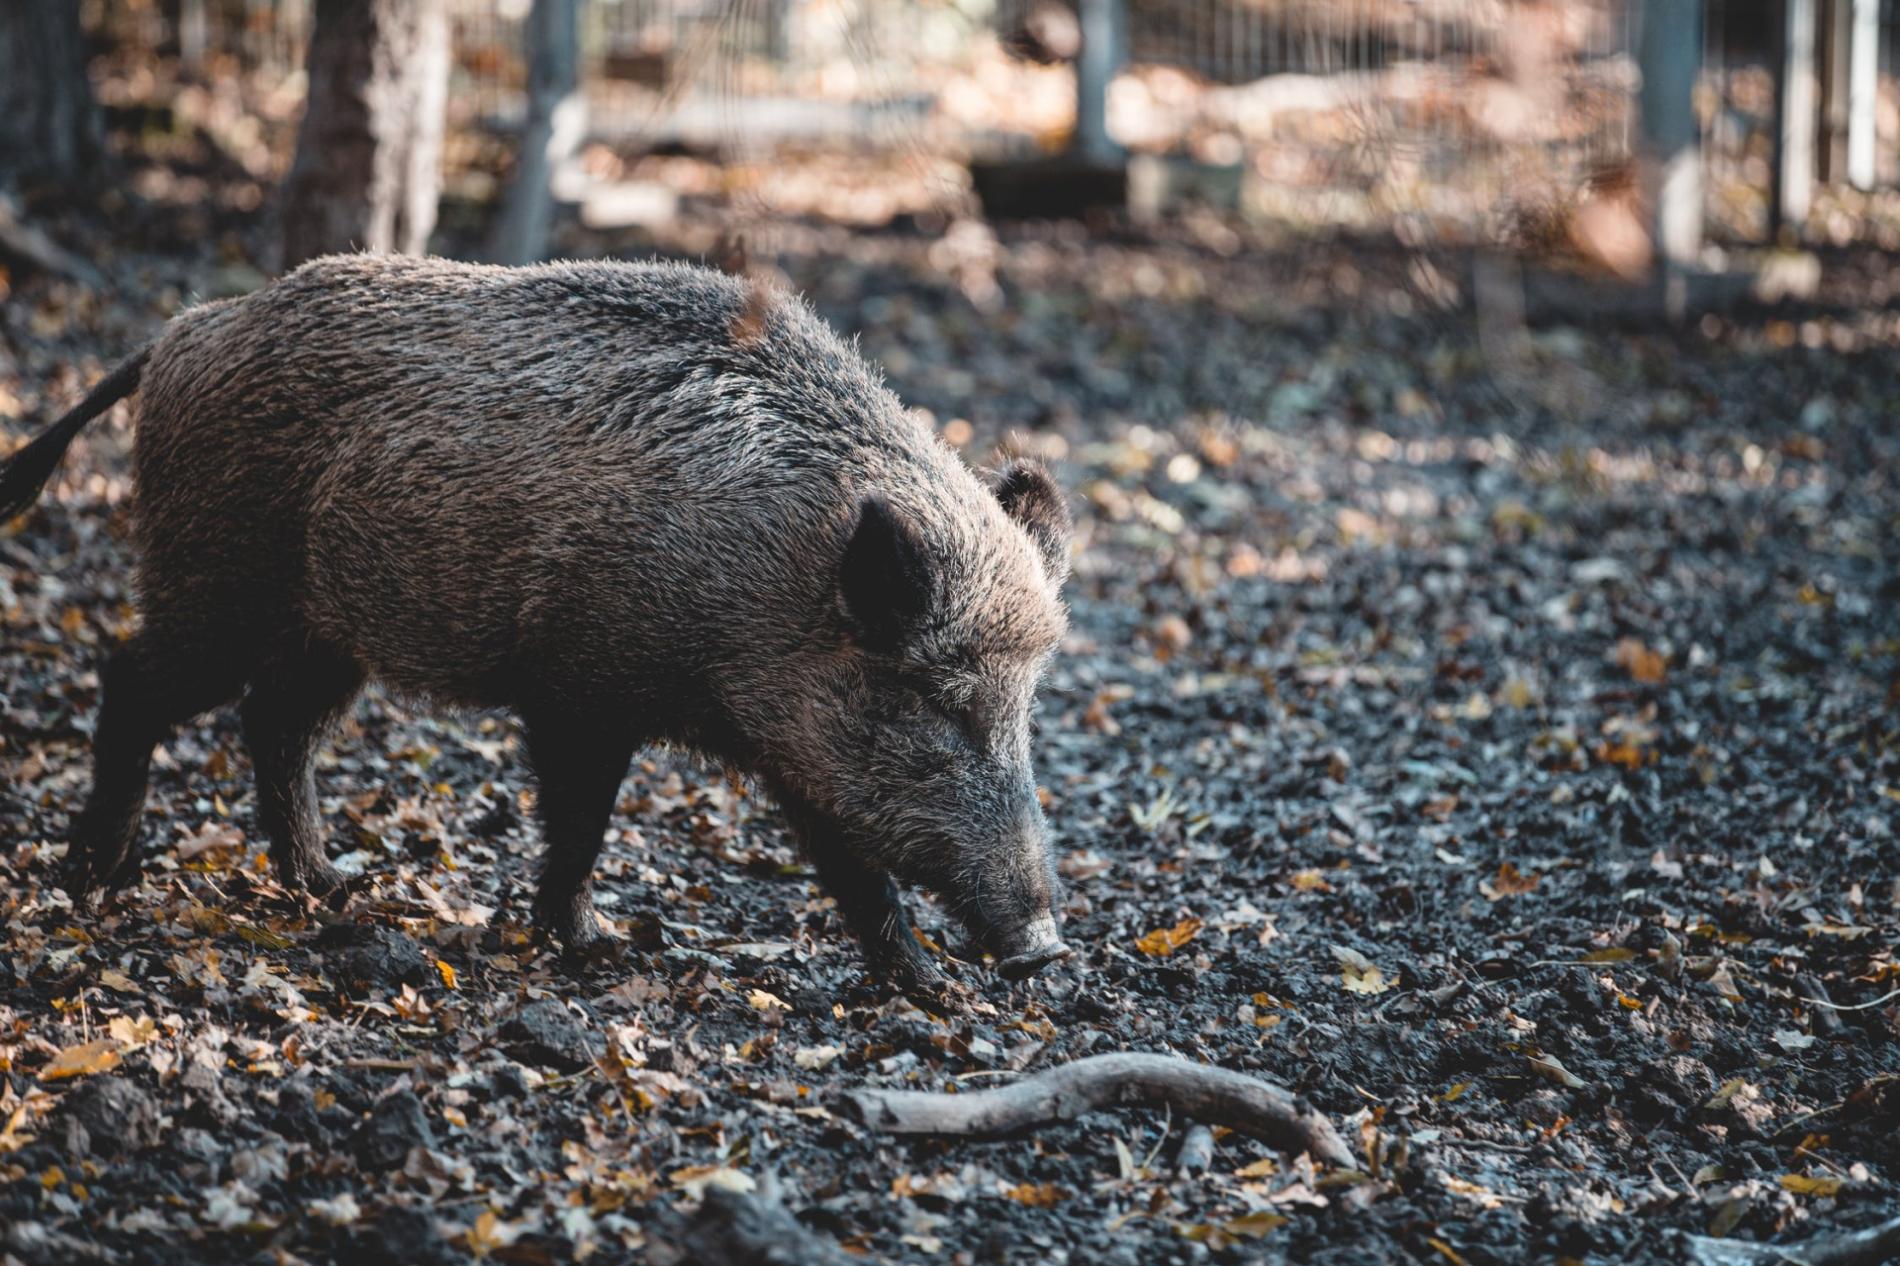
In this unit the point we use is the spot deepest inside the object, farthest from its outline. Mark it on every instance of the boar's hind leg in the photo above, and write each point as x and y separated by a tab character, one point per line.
146	688
291	704
579	767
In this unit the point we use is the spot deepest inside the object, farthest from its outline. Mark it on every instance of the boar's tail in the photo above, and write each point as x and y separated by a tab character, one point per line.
26	472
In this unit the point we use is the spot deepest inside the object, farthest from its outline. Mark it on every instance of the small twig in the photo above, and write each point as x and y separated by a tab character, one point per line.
1855	1006
383	1065
1167	1124
1068	1091
1487	1144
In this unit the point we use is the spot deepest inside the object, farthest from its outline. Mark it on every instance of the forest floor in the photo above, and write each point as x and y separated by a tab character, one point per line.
1487	732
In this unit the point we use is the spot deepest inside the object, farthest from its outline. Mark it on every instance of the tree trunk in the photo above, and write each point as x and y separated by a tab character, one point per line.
369	154
557	119
49	124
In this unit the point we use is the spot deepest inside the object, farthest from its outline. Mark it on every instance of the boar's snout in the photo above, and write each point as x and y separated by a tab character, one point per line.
1028	947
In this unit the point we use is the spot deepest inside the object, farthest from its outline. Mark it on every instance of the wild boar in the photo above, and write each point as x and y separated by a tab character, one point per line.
632	503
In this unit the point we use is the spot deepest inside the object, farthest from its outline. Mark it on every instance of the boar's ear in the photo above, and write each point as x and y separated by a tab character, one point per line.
883	580
1033	500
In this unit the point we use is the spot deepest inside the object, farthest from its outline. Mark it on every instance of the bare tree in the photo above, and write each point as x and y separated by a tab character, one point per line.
369	154
557	118
49	123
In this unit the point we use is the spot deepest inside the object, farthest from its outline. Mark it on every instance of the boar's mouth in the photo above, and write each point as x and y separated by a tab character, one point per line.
1028	947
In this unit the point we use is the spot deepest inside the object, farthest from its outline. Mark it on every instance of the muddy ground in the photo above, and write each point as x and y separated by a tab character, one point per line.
1488	733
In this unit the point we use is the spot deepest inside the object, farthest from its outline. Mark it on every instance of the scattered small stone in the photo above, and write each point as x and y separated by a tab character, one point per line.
375	957
395	1125
545	1034
109	1116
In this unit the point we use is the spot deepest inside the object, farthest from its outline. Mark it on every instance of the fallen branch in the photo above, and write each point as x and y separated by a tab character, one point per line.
29	245
1867	1247
1068	1091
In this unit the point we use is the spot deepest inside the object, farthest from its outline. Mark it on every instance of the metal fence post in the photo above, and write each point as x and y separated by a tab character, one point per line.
1670	52
1103	30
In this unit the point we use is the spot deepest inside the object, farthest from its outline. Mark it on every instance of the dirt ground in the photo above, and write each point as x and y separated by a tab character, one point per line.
1488	733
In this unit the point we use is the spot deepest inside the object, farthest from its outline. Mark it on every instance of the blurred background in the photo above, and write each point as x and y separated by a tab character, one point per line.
677	124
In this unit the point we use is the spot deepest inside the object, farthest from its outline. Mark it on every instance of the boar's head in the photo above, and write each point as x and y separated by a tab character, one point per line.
916	722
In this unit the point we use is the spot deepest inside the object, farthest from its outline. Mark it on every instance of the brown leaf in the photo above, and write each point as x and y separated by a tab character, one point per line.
80	1061
1640	662
1508	882
1164	941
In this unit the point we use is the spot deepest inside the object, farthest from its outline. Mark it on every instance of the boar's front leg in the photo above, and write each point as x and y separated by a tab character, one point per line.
291	704
874	911
579	765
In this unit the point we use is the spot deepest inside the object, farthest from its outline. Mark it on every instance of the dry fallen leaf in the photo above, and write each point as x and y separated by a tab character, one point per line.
128	1032
1218	1235
763	1001
1036	1195
694	1179
1640	662
1312	880
489	1234
813	1058
80	1061
1550	1068
1803	1185
1358	974
1484	1197
1508	882
1164	941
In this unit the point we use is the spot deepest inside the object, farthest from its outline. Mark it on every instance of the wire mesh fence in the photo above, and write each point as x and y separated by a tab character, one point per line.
1357	111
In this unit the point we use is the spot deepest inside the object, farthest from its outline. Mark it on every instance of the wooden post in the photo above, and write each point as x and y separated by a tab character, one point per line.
1670	51
1102	28
1794	119
1863	90
1831	63
193	35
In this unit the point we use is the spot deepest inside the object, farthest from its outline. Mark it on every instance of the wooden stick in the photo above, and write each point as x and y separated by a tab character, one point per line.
1063	1093
1197	1152
1866	1247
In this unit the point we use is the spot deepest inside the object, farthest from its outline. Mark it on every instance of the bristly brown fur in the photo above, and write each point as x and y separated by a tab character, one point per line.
616	499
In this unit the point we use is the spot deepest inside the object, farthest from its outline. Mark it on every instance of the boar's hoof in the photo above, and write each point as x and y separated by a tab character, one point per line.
920	981
944	996
584	954
327	885
89	879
